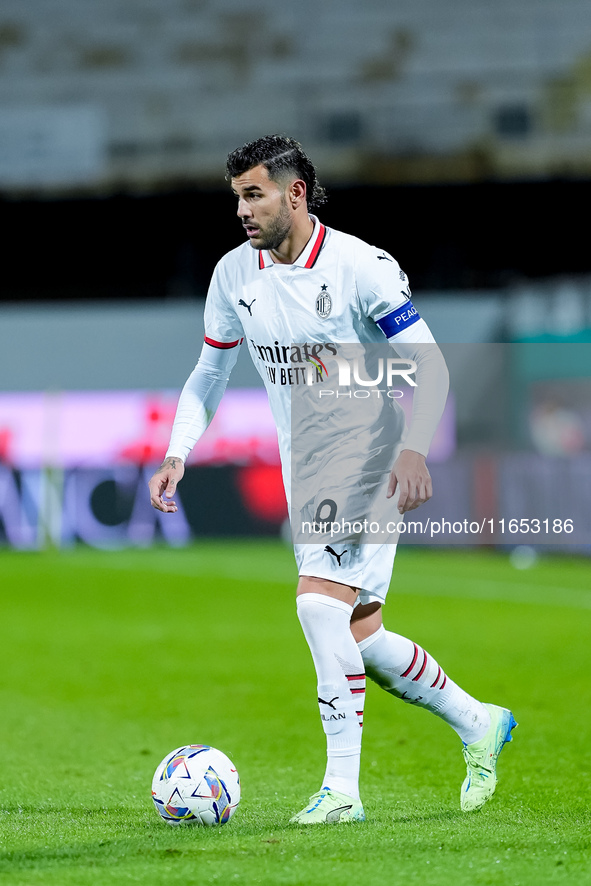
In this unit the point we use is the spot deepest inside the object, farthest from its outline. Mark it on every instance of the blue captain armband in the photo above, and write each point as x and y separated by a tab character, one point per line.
399	319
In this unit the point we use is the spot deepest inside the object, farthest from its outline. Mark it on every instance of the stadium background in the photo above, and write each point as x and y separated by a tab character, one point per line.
458	139
456	135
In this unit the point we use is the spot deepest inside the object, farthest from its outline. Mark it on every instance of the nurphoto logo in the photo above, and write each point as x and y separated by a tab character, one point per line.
387	369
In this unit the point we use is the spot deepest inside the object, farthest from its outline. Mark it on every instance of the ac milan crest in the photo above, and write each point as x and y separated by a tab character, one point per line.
323	302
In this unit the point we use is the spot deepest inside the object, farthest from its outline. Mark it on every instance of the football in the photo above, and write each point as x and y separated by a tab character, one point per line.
196	785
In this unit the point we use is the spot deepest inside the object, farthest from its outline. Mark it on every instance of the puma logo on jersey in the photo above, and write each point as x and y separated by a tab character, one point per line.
329	550
384	258
242	304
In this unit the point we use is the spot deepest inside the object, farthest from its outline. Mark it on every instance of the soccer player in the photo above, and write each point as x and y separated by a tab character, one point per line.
295	280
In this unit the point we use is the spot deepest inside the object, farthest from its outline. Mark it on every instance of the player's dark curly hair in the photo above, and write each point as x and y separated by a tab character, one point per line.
279	155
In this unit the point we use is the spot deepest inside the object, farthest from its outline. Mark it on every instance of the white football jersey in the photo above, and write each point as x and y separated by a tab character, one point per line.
340	293
340	289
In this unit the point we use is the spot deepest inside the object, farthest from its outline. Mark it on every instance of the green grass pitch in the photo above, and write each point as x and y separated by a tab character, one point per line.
110	660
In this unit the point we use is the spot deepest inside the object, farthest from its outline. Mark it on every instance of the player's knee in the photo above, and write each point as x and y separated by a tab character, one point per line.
366	620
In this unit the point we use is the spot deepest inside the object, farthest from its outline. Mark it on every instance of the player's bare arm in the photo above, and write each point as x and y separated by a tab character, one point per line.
411	476
164	483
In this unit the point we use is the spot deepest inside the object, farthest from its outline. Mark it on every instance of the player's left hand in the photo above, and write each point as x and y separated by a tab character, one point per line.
411	477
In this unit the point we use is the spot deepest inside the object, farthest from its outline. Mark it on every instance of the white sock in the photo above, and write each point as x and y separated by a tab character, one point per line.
326	623
407	671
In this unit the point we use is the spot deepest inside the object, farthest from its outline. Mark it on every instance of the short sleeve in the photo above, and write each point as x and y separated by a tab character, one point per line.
223	328
384	291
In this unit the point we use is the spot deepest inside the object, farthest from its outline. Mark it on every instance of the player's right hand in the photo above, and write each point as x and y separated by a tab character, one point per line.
164	483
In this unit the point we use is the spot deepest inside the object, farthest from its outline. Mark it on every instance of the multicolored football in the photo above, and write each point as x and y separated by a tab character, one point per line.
197	785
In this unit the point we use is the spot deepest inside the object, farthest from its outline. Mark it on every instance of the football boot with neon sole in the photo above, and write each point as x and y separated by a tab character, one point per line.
329	807
481	759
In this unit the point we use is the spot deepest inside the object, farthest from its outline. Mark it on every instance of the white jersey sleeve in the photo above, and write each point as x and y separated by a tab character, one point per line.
430	394
200	398
223	328
384	293
205	386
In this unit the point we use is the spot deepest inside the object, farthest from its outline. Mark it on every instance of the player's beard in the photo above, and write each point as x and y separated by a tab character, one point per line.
277	229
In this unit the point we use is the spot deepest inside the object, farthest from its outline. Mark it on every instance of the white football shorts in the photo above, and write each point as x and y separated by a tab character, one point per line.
364	566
